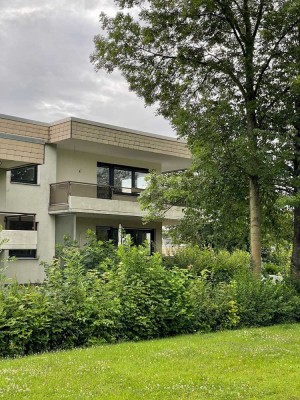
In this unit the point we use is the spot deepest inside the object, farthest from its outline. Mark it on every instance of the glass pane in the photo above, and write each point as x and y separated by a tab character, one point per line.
114	236
103	176
15	223
122	178
22	253
139	180
102	233
24	174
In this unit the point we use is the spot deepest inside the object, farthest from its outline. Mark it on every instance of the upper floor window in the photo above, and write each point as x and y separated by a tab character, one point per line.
26	174
121	177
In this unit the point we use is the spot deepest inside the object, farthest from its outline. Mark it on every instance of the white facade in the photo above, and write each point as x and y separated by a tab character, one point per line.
65	198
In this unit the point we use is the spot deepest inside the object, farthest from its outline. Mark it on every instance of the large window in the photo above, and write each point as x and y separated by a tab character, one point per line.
138	236
122	178
24	174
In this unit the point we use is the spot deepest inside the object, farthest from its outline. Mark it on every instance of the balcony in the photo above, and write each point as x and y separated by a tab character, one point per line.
89	199
18	240
19	233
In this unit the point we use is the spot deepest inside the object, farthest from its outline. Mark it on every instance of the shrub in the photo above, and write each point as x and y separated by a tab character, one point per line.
220	266
24	320
215	305
131	296
82	308
154	301
93	255
261	302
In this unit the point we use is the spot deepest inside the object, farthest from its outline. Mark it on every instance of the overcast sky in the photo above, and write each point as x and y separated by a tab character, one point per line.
45	72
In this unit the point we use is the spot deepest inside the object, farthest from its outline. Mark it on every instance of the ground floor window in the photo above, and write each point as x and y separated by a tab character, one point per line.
20	222
138	236
22	253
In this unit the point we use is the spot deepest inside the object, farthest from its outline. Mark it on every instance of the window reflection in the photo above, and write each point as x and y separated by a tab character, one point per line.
102	176
122	178
139	180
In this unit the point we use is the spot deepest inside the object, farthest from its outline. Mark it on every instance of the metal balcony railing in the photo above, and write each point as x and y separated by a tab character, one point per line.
60	192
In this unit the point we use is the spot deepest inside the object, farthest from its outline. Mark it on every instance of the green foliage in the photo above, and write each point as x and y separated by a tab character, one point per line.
24	320
261	302
82	307
215	305
93	255
155	302
134	296
220	266
277	259
226	75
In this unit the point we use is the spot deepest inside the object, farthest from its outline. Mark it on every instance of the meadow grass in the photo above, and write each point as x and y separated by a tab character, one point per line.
262	363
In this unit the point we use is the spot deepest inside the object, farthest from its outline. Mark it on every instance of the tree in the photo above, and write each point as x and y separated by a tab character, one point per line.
194	57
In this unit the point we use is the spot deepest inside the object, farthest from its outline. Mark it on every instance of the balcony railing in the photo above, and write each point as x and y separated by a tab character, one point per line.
60	192
18	231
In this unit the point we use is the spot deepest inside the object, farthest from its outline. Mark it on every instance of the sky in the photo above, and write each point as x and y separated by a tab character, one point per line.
46	74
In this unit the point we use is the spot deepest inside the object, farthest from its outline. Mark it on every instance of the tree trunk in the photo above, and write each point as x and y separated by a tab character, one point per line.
296	244
255	234
295	267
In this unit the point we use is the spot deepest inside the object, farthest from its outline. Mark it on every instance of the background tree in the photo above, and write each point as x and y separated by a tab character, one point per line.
189	56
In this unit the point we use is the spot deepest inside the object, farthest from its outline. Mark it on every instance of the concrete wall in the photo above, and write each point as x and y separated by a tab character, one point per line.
82	167
24	270
18	239
65	225
27	198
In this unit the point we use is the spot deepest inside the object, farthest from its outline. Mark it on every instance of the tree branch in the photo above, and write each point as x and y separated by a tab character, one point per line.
272	54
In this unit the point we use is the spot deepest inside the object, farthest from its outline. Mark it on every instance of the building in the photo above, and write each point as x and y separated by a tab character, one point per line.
72	175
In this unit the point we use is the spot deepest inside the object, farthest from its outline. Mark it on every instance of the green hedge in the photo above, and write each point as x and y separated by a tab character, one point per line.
130	296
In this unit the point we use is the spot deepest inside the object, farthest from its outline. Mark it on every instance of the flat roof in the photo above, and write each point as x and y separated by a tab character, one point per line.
89	122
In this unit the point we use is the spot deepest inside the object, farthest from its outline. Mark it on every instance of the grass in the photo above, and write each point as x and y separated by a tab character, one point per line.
259	363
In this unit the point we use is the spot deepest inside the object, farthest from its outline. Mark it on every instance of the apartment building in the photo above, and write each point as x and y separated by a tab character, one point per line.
68	176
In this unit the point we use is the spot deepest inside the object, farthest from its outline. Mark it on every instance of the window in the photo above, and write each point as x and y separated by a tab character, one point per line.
22	253
105	233
139	179
122	178
23	223
138	236
24	174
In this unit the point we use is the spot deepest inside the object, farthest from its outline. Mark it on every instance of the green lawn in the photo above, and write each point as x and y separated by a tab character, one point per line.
246	364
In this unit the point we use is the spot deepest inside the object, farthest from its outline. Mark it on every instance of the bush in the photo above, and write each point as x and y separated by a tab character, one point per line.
131	296
24	320
215	305
261	302
82	307
220	266
72	308
93	255
155	302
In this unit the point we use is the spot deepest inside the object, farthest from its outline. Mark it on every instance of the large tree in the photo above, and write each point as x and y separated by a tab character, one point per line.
190	57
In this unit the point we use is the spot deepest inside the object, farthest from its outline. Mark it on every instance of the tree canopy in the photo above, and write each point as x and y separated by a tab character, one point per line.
220	71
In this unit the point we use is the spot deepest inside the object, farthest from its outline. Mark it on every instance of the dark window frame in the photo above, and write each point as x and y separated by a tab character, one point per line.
112	168
112	233
14	179
23	253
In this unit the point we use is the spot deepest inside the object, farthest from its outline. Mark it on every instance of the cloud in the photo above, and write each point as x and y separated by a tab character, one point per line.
45	72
